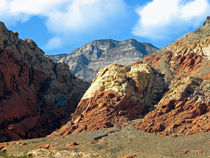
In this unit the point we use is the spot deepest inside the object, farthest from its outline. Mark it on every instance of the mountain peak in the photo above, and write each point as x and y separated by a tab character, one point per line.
207	22
2	25
131	40
86	61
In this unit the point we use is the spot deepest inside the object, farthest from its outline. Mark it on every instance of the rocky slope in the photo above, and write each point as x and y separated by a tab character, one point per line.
174	81
119	93
86	61
184	109
35	93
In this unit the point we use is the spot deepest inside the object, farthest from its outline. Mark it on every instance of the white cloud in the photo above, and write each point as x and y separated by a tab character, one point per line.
162	18
12	11
81	15
53	43
63	17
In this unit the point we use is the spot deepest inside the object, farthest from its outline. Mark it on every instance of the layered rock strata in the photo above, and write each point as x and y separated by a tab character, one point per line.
184	109
119	93
36	94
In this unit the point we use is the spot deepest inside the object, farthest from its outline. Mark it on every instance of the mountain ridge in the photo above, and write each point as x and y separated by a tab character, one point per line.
35	92
86	61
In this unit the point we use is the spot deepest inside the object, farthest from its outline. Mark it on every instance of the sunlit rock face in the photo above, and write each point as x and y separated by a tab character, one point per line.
119	93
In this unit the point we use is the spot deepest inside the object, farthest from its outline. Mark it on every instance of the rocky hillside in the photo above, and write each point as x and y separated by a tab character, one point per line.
172	85
86	61
118	94
184	109
35	93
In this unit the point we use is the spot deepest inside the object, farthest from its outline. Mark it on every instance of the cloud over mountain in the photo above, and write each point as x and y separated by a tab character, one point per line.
63	16
73	22
156	17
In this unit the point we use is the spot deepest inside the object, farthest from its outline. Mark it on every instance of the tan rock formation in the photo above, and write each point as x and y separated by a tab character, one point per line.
118	93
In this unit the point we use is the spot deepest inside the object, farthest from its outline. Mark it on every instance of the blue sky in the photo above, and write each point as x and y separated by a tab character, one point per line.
60	26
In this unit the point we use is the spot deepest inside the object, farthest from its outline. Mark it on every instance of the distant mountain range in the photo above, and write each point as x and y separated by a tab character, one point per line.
86	61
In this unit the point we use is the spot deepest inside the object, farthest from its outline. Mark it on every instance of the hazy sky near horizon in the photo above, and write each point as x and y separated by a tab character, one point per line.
60	26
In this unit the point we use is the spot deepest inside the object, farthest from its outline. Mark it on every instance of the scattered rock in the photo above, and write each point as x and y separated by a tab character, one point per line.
130	156
45	146
184	151
91	142
57	138
198	151
101	143
72	144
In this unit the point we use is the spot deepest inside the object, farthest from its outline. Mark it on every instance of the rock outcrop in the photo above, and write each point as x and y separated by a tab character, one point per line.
85	62
184	109
174	80
119	93
36	94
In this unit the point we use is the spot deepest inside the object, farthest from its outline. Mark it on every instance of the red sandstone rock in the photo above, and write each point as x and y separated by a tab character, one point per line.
45	146
71	144
22	143
29	91
183	110
184	151
198	151
179	112
101	111
101	143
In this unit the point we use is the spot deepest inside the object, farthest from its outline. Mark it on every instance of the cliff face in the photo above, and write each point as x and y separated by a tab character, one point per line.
174	82
86	61
35	93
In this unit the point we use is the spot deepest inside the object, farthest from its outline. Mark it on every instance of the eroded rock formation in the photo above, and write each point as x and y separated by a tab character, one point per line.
174	80
184	109
36	94
119	93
